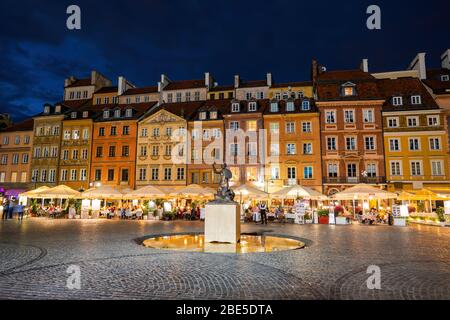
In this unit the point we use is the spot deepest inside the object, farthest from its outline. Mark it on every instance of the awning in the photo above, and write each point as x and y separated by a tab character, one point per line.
106	192
296	191
59	192
364	191
194	190
146	192
249	191
33	193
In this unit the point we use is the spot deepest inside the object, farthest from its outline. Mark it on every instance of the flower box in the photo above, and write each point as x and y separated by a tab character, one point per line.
323	220
342	221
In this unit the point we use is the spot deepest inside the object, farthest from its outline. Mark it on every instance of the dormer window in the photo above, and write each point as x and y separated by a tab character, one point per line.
117	114
47	109
58	109
202	115
397	101
348	89
445	77
416	100
290	106
274	107
235	107
129	113
305	105
85	114
213	115
73	115
252	106
106	114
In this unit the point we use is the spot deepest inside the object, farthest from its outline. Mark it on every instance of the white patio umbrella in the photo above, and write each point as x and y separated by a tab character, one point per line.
298	191
60	192
194	190
362	191
245	190
34	193
146	193
105	192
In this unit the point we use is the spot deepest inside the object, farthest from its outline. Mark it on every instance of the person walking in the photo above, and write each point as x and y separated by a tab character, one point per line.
5	210
263	212
19	209
10	210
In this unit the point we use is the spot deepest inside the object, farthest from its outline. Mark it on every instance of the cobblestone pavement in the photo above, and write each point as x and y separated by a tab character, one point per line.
35	255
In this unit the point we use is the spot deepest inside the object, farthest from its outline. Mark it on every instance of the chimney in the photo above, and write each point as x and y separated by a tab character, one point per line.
364	65
163	83
314	70
418	64
94	77
69	81
236	81
269	79
123	85
445	59
209	80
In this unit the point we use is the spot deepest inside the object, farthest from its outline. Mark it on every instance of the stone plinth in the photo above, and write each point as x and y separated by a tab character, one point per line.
222	222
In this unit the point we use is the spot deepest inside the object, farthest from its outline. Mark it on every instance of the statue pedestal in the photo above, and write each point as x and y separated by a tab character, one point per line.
222	222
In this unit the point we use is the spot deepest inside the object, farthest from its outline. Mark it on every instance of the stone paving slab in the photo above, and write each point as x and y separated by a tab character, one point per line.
35	255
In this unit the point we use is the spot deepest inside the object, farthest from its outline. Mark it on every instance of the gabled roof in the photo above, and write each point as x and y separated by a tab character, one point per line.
185	110
141	90
253	84
25	125
222	88
405	88
220	106
107	90
185	84
435	83
81	83
139	109
292	84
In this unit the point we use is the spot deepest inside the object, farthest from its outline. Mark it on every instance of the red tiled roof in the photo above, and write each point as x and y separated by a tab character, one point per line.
141	90
81	83
74	104
405	88
435	83
185	110
185	84
253	83
138	110
25	125
292	84
107	90
222	88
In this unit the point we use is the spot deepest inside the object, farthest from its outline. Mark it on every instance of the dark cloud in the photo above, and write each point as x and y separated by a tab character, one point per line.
142	39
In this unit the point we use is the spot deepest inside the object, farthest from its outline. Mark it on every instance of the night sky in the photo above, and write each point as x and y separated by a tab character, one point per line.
183	39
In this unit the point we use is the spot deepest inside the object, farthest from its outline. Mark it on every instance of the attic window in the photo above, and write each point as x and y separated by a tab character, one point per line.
274	107
397	101
117	114
58	109
305	105
349	91
106	114
213	115
73	115
290	106
252	106
47	109
235	107
202	115
445	77
85	114
129	113
416	100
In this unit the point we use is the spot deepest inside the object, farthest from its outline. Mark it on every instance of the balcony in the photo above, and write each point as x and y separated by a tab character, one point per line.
354	180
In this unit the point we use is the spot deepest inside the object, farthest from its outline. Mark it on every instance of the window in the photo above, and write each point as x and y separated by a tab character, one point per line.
125	151
436	168
17	140
202	115
216	133
155	151
26	140
235	107
73	174
78	94
64	174
396	168
351	170
290	106
106	114
129	113
115	100
275	172
331	144
234	149
213	115
178	97
15	159
124	176
305	105
168	150
433	121
113	131
84	154
85	134
197	96
99	152
392	122
75	154
98	100
83	175
25	157
155	174
110	174
35	176
260	95
67	134
307	148
155	132
394	144
180	173
73	115
413	121
332	170
125	130
65	154
112	151
278	96
397	101
274	149
167	174
435	144
274	107
416	168
142	174
46	109
369	143
252	149
445	77
76	134
24	176
330	117
274	128
117	113
349	91
371	170
206	134
252	125
290	149
56	130
252	106
291	173
144	132
143	151
300	94
5	140
248	95
188	96
307	172
128	100
101	132
54	152
368	116
414	144
349	116
350	143
52	175
71	95
416	100
290	127
138	99
43	175
234	125
306	127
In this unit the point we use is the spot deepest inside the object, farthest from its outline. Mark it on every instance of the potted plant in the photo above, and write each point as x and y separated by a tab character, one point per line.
323	216
440	212
308	218
167	216
340	218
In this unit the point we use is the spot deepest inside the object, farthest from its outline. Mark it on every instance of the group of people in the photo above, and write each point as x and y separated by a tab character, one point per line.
8	208
257	213
188	213
124	212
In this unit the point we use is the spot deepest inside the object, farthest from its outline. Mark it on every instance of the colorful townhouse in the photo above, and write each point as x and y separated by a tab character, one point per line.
162	149
206	132
184	90
114	144
415	139
16	145
255	89
350	108
293	143
289	90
